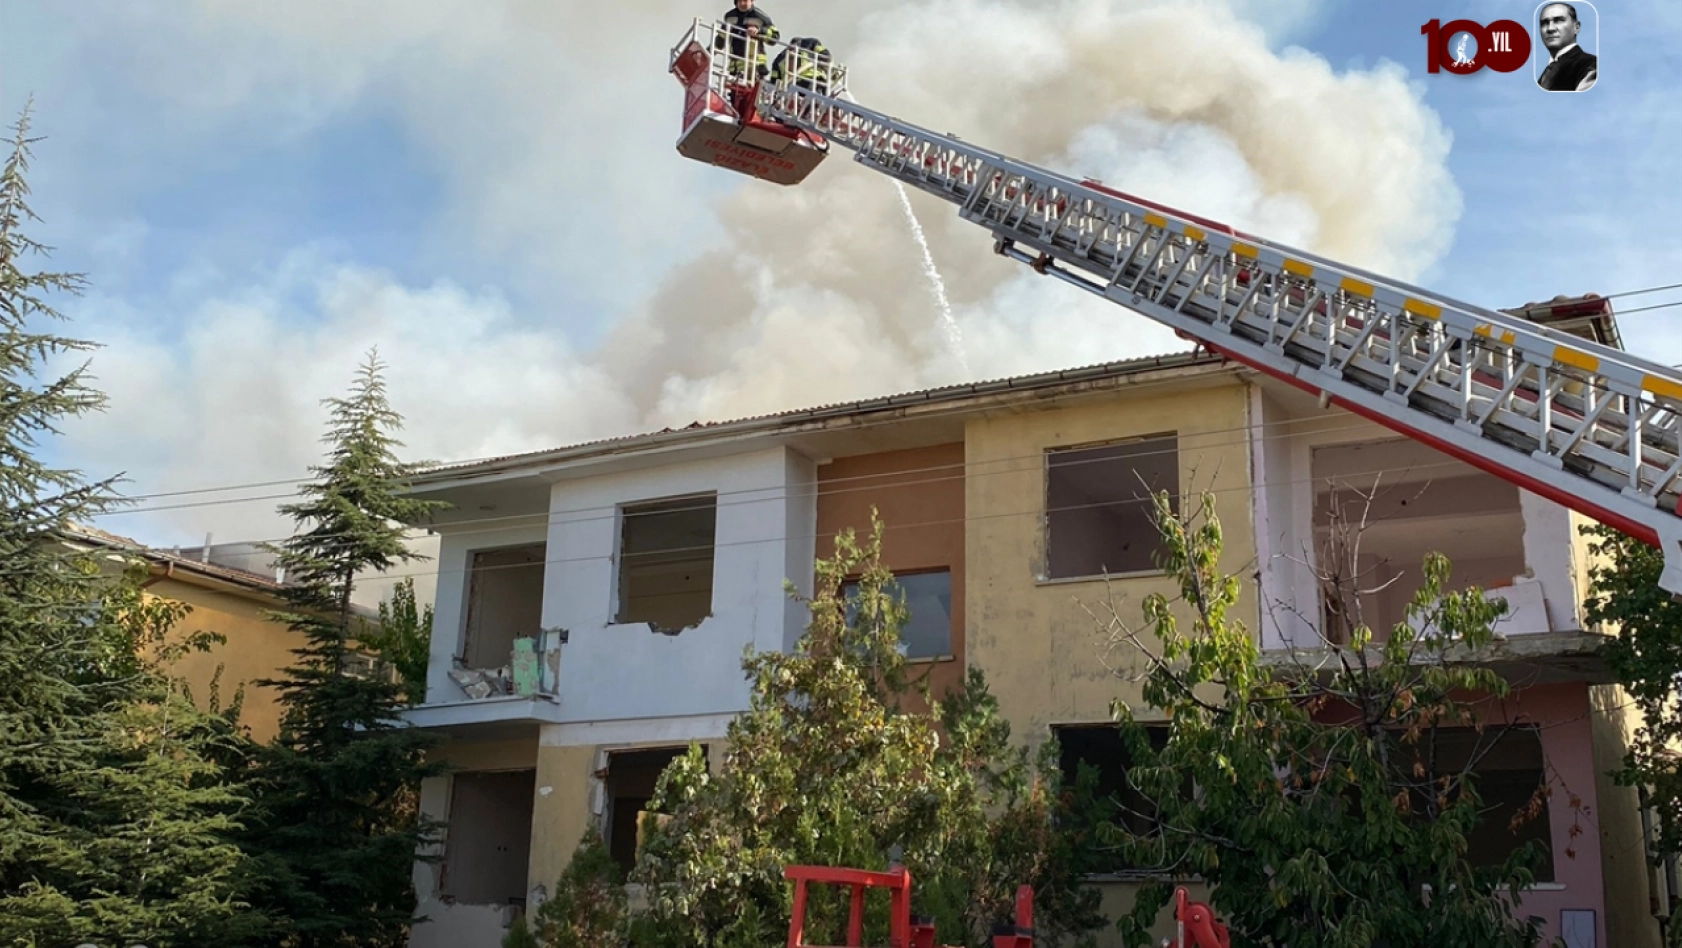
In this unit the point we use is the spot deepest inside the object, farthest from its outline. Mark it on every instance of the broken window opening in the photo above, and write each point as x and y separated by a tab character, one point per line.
666	562
1381	507
631	777
1100	518
927	632
504	603
487	844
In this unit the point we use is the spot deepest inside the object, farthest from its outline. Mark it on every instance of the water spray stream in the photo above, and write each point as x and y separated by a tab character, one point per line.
948	325
937	286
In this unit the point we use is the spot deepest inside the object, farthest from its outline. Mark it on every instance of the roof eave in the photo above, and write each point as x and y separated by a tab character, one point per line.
888	409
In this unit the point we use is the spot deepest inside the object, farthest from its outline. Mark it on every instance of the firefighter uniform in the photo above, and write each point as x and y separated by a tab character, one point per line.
744	50
805	62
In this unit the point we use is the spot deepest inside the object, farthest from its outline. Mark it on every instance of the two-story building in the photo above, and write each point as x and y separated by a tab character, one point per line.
228	600
594	601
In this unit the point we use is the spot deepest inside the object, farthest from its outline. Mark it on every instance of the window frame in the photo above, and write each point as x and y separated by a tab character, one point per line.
464	641
617	590
950	653
1159	735
1048	512
609	814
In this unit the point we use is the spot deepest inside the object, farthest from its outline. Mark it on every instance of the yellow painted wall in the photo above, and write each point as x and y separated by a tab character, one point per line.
1041	652
256	648
560	817
1629	918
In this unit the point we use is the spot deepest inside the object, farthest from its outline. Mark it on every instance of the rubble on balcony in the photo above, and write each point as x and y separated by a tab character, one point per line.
531	671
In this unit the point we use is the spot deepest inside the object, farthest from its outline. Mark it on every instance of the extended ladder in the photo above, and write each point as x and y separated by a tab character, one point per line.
1587	426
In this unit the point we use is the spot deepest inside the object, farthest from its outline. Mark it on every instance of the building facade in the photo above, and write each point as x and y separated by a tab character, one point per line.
594	602
232	602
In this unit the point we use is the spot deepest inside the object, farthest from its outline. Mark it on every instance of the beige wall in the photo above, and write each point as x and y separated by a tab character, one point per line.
1043	655
1623	853
256	648
560	817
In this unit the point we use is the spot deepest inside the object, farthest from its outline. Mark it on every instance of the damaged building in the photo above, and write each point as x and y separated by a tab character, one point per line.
594	601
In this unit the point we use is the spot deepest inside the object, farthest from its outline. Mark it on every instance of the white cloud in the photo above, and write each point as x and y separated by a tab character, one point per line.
553	127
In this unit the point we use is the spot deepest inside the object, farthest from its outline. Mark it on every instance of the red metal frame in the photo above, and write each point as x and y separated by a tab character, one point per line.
1197	922
897	882
902	931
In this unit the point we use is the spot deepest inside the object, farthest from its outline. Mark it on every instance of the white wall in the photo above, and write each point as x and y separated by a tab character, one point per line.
1278	547
615	672
1284	458
1555	557
449	621
800	518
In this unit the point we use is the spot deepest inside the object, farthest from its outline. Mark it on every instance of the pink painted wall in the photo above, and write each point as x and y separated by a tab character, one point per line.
1562	712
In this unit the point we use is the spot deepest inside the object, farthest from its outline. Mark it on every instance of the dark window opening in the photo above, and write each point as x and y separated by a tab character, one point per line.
666	562
631	777
1100	748
1099	512
504	603
487	846
1508	770
927	632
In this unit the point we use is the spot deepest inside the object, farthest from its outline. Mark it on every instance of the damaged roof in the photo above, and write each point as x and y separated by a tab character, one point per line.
948	394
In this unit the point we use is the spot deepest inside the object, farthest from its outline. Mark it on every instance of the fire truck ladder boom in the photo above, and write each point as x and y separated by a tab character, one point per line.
1588	426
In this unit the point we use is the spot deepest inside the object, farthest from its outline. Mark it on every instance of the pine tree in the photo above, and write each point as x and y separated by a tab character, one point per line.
114	819
339	827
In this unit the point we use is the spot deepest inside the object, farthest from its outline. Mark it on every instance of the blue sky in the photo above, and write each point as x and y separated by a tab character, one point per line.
488	191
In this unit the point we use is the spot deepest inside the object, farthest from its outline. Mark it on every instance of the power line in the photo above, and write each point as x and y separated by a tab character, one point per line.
1643	309
925	524
467	461
275	497
825	488
1650	289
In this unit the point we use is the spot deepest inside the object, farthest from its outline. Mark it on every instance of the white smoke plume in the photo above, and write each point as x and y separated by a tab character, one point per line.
1179	102
553	126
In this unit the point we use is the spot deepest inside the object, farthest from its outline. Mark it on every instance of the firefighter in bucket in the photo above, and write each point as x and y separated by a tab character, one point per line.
805	62
750	31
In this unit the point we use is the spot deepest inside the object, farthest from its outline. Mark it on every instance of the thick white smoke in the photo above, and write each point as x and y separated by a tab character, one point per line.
1179	102
553	128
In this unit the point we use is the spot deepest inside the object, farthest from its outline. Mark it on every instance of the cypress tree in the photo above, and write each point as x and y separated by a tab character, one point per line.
340	824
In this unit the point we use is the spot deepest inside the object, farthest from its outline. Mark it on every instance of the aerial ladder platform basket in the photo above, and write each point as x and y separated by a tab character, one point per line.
720	69
1586	425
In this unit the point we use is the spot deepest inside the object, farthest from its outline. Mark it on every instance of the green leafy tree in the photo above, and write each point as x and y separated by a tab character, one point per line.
828	767
520	936
1646	658
403	638
114	817
588	908
1322	813
338	828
